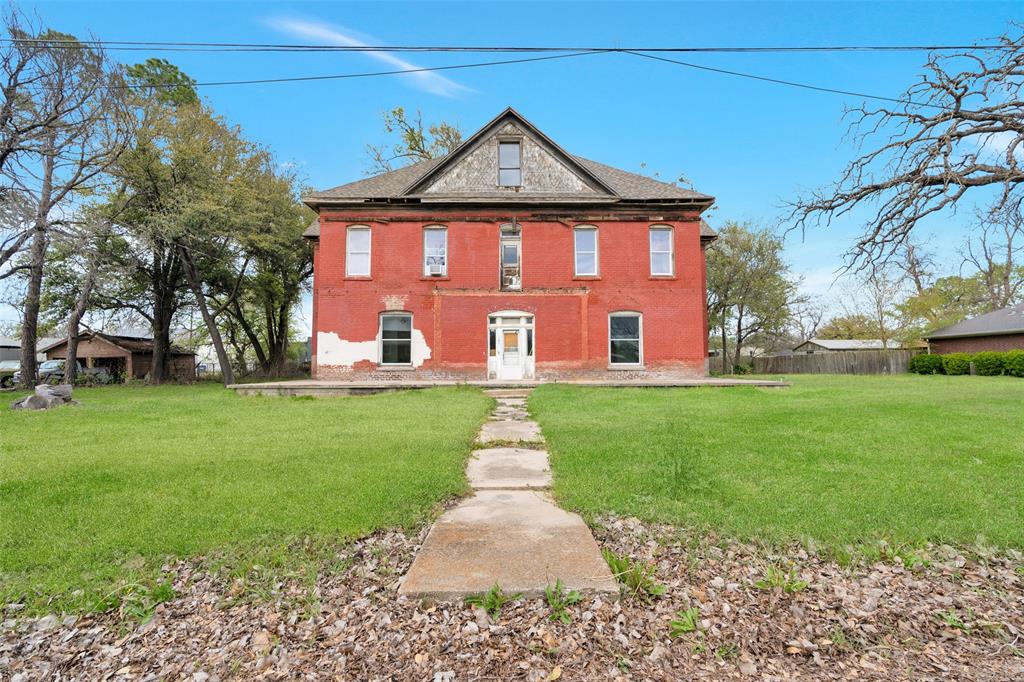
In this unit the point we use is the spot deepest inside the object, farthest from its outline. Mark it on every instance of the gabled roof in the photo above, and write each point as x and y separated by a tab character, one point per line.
850	344
1009	320
413	183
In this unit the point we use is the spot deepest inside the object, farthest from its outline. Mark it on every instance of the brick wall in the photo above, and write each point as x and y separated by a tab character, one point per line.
571	314
976	344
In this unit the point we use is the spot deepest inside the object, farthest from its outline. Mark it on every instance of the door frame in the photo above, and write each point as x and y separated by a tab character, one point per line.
499	322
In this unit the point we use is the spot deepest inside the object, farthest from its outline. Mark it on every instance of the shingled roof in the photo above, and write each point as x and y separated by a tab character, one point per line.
607	184
1009	320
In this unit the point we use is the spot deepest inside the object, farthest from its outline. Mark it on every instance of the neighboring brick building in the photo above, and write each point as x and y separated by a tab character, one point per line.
999	330
509	259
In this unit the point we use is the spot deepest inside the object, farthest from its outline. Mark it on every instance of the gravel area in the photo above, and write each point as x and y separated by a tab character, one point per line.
958	616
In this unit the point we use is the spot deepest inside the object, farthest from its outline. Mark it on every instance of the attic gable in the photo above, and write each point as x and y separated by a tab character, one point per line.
472	169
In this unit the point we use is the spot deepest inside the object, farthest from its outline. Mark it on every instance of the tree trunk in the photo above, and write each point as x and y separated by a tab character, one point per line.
81	303
211	324
162	314
725	351
739	337
37	256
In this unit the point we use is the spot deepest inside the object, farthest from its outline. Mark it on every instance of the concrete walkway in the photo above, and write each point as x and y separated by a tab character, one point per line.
510	531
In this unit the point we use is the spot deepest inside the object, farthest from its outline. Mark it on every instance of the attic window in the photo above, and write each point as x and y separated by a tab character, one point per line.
510	172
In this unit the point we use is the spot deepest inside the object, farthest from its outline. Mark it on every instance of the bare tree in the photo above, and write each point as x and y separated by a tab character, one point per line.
415	142
995	251
76	92
805	318
959	128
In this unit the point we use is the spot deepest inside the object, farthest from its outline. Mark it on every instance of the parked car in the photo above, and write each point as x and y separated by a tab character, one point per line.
52	372
8	368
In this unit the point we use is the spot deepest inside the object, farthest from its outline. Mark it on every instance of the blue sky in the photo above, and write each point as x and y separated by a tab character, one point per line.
752	145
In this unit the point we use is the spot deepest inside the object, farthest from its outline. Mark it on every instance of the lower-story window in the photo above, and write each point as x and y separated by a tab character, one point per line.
625	340
396	339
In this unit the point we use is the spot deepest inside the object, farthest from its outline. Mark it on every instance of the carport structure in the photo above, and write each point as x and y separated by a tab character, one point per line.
128	357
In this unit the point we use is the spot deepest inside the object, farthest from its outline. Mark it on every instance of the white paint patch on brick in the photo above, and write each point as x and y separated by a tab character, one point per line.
332	350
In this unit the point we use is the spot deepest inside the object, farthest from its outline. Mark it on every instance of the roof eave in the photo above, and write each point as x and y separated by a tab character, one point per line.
963	335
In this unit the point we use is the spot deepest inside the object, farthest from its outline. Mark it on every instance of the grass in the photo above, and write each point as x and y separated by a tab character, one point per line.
95	497
846	461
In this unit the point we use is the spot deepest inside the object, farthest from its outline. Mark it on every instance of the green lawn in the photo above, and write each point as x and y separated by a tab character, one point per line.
842	460
91	493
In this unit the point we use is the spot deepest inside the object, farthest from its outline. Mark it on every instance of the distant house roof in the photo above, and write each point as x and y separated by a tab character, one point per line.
11	342
605	184
849	344
1009	320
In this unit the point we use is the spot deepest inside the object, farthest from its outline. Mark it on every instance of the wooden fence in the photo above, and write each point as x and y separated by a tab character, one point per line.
841	362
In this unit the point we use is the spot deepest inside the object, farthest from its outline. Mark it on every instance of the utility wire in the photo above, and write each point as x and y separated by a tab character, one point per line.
369	74
138	45
779	81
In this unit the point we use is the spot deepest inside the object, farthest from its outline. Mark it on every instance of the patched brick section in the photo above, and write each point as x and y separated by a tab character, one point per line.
976	344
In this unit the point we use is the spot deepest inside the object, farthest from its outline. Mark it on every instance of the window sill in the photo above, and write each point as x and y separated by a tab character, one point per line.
670	277
625	368
394	368
586	277
365	278
435	278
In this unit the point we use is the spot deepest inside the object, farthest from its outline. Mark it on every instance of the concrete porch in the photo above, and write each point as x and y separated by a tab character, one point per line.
324	388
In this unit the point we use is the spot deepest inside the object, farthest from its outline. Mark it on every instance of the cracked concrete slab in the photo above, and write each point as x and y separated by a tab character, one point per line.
516	538
514	431
508	468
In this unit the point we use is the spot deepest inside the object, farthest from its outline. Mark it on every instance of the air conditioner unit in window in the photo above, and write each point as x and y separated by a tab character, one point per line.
435	269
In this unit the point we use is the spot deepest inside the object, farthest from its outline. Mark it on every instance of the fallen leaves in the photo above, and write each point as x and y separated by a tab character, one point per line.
879	621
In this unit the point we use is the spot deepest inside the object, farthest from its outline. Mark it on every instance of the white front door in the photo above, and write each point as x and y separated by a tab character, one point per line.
510	342
511	354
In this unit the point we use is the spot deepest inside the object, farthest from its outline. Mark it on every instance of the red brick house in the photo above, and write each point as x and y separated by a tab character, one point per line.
999	330
509	259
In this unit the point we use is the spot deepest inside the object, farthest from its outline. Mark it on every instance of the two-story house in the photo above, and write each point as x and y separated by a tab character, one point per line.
509	259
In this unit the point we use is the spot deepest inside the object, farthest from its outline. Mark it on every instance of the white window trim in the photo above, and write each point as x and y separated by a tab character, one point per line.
640	339
380	339
671	249
349	252
435	228
576	251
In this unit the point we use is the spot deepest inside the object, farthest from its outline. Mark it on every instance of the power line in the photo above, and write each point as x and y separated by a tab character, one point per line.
137	45
779	81
369	74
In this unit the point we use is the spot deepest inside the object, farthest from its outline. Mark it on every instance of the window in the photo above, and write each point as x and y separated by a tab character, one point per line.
586	251
625	346
396	339
510	172
435	251
511	240
661	251
357	252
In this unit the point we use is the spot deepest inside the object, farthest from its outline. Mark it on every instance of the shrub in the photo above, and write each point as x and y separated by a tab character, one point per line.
988	363
957	363
926	364
1013	363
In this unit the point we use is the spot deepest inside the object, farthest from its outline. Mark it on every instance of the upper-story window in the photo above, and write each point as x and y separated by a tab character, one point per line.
435	251
357	251
511	258
661	251
585	248
510	170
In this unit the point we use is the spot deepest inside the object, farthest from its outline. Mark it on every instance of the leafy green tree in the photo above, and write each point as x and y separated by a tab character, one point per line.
849	326
415	141
750	288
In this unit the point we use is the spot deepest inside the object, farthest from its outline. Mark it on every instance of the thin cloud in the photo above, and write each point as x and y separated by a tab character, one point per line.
333	35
